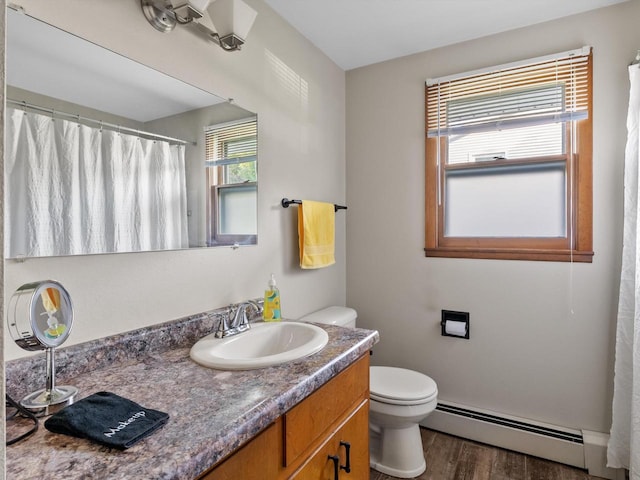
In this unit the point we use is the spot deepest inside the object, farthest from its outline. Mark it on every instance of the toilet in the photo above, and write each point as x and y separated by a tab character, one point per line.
399	400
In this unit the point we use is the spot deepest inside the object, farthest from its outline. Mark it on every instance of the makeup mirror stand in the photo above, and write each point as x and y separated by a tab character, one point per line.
41	316
52	398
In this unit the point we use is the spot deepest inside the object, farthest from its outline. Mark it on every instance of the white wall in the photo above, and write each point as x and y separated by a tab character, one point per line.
299	95
542	333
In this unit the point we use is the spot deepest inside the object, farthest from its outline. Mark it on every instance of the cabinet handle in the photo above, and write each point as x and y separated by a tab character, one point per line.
347	447
336	469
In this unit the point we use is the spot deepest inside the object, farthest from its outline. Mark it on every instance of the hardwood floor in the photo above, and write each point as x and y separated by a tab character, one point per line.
454	458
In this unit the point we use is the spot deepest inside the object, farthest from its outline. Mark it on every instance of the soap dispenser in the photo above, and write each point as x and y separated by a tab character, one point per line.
271	311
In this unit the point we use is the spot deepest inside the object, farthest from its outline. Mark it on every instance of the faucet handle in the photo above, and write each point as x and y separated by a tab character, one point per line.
222	325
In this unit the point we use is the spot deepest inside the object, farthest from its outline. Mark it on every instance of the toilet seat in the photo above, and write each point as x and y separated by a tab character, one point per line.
399	386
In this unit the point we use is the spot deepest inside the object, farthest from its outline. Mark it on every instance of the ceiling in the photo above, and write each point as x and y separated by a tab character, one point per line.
355	33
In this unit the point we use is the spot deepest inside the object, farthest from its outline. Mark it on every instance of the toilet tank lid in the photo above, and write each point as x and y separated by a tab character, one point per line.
335	315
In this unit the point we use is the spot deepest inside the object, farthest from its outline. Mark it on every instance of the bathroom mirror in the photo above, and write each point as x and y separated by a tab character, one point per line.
105	155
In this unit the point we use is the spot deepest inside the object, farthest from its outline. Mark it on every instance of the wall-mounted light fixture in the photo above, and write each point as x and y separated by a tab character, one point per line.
231	19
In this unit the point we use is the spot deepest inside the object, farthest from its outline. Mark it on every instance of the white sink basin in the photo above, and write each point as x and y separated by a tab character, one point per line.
264	345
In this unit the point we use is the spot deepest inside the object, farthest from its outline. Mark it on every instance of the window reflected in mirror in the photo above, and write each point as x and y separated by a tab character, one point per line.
232	178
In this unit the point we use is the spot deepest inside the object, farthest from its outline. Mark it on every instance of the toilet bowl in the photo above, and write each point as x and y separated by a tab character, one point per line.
399	400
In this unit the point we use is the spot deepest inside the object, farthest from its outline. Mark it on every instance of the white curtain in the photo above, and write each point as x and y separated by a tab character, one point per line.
624	442
72	189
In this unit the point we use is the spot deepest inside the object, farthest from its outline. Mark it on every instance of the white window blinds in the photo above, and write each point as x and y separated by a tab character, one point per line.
231	143
539	91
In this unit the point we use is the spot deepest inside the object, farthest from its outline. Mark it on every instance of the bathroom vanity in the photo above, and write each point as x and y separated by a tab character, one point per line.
277	422
325	431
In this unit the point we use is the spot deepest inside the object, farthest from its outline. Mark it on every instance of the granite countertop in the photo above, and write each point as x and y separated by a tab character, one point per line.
212	412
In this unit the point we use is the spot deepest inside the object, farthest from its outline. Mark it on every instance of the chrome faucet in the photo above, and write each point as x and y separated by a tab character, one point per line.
234	320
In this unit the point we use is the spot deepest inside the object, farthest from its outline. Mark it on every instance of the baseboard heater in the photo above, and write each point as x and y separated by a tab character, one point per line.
511	423
542	440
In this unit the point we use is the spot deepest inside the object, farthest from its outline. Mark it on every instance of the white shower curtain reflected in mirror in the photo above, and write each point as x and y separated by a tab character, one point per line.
624	442
72	189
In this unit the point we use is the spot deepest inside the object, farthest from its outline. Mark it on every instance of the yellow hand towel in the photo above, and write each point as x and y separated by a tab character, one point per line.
316	234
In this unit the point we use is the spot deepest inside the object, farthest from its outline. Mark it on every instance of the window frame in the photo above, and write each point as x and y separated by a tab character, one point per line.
216	180
218	238
576	246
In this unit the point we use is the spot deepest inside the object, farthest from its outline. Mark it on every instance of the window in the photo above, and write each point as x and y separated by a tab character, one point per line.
508	161
232	185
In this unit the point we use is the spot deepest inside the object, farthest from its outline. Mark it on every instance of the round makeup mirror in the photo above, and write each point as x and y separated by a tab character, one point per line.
40	318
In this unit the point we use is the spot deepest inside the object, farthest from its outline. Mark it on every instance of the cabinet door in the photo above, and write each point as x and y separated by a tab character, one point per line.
258	460
355	431
309	421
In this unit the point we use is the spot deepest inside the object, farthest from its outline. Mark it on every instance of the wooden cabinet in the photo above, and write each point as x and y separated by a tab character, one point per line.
300	444
257	460
344	455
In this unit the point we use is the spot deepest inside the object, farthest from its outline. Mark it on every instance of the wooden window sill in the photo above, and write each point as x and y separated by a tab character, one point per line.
511	254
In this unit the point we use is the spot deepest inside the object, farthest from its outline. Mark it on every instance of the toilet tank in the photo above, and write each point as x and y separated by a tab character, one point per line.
341	316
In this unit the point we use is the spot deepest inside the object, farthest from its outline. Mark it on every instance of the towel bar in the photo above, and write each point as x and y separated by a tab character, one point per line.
286	202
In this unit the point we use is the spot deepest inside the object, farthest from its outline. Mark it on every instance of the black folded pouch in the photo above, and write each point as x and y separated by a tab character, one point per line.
107	418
